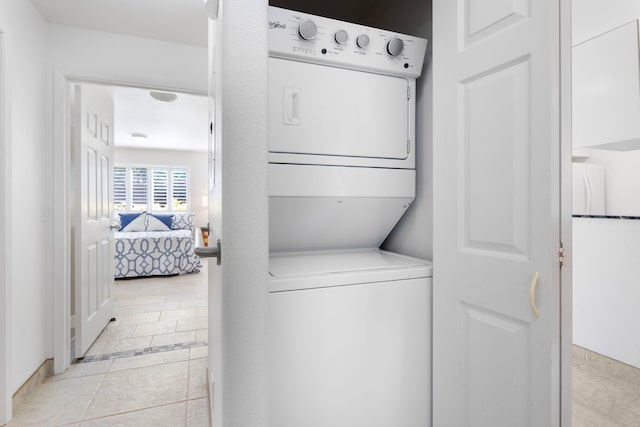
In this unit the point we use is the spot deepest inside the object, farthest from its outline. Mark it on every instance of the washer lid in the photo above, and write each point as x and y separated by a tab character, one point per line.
298	271
314	263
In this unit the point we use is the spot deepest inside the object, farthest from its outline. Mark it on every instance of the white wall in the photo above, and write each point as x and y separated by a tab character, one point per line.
195	160
5	230
591	18
414	233
25	33
119	58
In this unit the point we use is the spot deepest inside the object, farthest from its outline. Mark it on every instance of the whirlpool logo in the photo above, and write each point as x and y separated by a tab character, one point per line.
276	25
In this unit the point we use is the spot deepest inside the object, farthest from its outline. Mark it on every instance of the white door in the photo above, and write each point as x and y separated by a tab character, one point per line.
215	364
92	136
496	76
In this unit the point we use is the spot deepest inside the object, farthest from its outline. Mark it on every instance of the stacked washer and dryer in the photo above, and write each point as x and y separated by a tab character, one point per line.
349	332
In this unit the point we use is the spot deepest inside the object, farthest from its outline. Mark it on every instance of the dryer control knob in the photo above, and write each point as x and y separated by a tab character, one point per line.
362	41
307	29
341	36
395	46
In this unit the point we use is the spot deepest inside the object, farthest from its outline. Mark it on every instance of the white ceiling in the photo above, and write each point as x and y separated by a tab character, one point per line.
178	21
181	125
178	125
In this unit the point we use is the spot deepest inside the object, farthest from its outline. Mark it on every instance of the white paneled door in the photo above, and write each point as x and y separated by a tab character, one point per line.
496	213
92	214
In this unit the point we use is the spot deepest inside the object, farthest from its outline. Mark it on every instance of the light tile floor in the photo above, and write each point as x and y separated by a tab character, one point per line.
167	387
606	393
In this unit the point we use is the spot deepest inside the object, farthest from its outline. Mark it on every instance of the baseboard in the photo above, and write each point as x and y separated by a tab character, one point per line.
72	348
583	358
42	373
210	395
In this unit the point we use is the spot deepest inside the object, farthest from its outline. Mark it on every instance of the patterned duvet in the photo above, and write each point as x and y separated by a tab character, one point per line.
154	253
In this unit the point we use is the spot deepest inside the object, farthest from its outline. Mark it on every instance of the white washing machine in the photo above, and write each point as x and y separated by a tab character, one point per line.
349	326
349	339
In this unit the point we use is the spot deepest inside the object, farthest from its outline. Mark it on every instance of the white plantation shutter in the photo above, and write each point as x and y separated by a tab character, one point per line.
179	189
139	189
120	188
160	189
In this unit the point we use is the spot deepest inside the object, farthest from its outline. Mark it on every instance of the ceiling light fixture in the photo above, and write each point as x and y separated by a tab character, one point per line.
163	96
138	137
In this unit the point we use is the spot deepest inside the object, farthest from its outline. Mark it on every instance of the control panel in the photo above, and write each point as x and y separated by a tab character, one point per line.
304	37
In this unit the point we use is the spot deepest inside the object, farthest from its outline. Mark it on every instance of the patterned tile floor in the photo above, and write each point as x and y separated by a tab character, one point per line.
147	368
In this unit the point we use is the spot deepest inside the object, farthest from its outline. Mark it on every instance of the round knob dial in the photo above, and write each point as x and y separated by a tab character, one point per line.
362	41
395	46
341	36
308	29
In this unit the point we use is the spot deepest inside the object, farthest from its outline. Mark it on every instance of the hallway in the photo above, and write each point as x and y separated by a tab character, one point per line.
148	367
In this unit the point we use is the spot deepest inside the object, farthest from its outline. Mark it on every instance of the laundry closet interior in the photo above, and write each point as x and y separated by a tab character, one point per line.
350	213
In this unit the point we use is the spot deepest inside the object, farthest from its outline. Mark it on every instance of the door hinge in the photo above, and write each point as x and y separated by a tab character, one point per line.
211	128
561	255
408	146
408	92
73	321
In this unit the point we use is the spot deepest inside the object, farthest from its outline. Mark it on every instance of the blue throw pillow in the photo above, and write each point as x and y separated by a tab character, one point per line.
133	221
159	222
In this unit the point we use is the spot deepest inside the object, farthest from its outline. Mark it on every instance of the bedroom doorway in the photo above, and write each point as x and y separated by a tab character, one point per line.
159	174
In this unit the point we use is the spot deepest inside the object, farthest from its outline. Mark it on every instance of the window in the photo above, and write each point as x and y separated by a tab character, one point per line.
160	190
179	185
119	188
139	189
155	189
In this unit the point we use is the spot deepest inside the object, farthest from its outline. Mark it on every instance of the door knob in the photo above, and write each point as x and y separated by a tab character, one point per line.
114	227
210	252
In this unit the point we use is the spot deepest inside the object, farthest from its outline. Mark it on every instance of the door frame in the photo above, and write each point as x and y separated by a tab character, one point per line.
5	240
61	241
566	283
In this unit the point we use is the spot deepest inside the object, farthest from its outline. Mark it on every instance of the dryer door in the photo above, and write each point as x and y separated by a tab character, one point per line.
326	111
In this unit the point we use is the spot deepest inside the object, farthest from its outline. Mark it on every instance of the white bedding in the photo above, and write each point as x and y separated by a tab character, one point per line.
154	253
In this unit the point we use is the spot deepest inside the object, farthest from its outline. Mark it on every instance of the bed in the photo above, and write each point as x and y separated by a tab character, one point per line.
145	248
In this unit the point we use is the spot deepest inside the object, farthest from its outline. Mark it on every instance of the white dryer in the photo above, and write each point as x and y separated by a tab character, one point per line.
341	131
349	339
